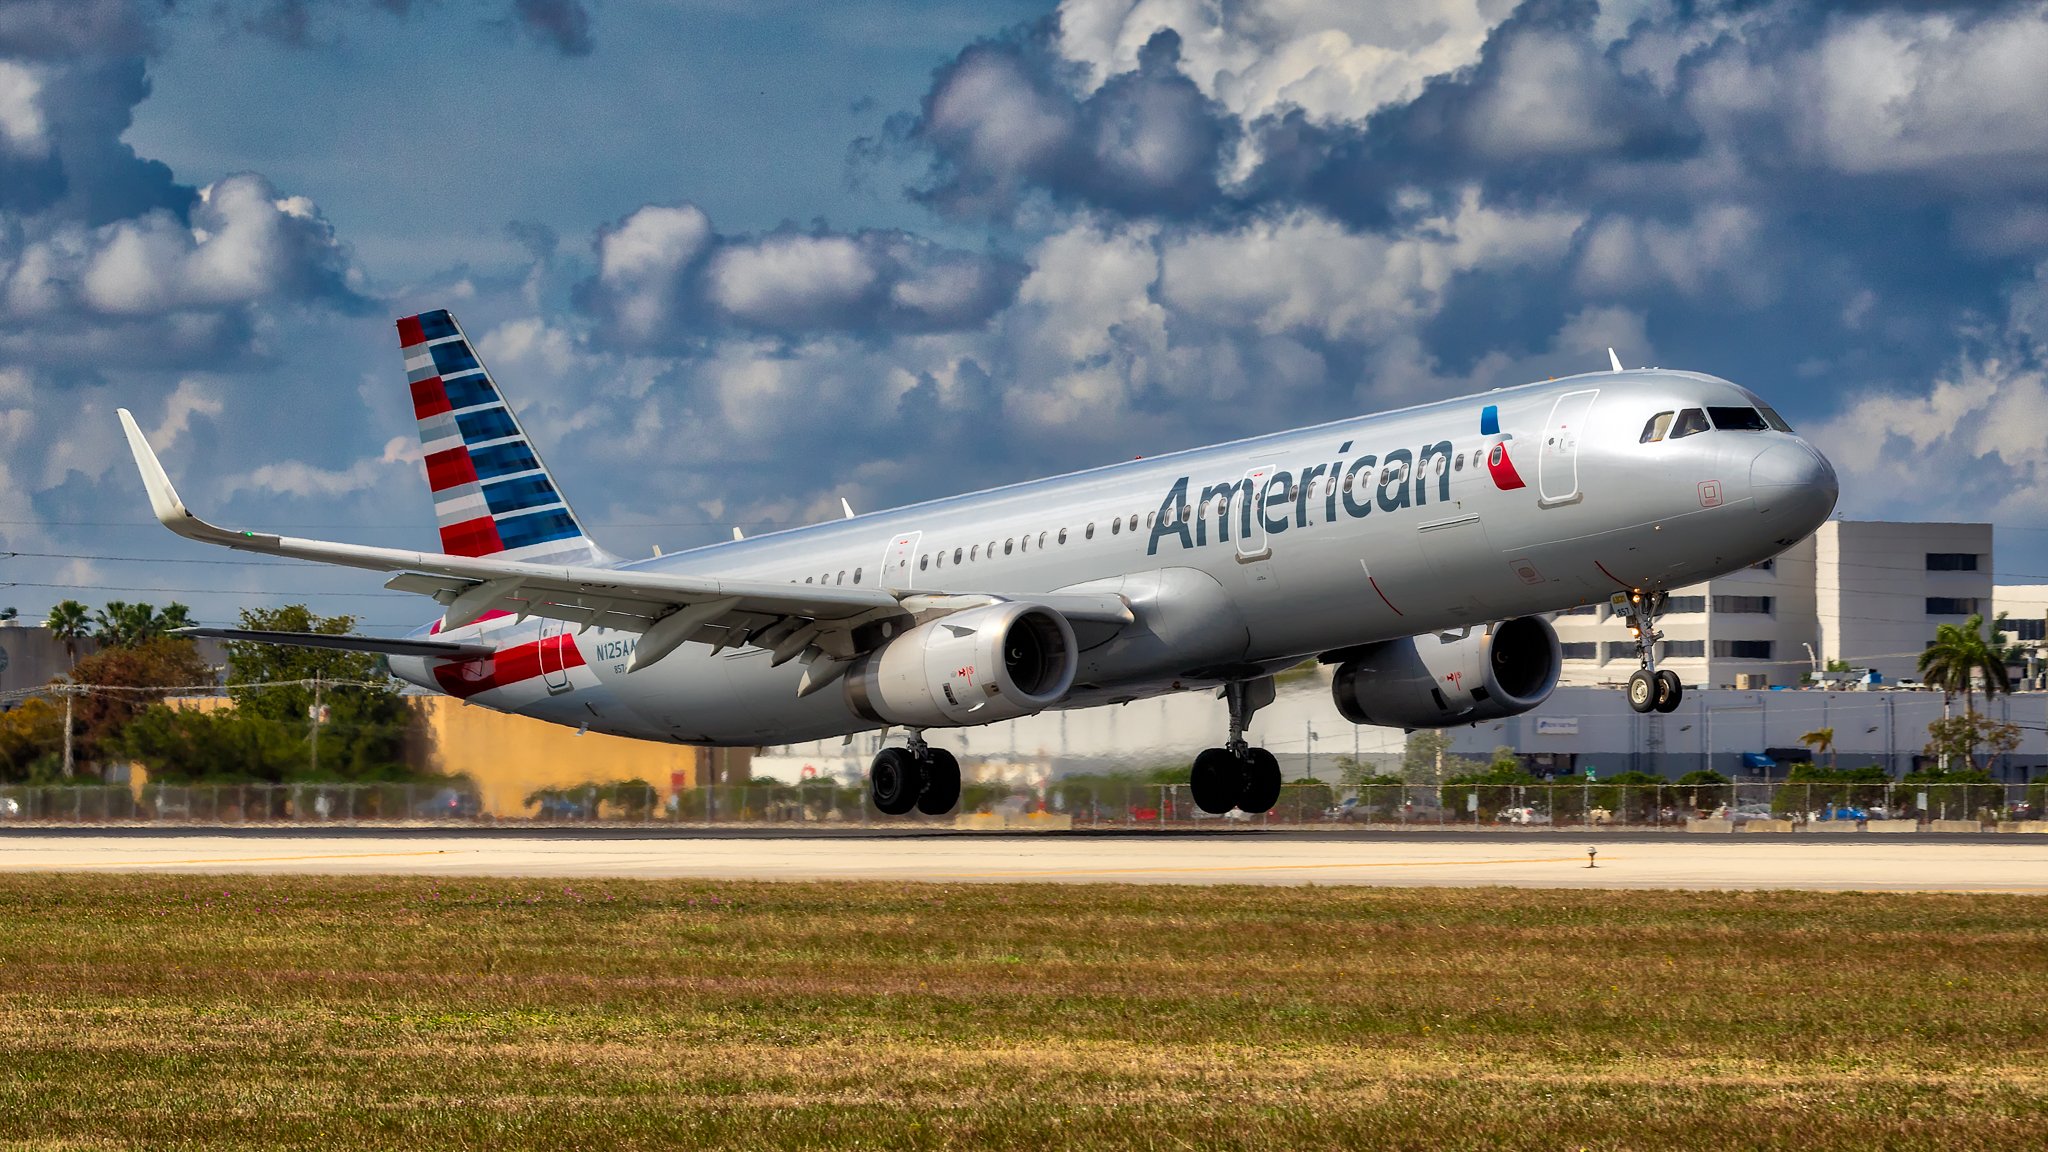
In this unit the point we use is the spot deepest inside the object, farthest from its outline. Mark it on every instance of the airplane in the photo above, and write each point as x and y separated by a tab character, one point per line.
1416	550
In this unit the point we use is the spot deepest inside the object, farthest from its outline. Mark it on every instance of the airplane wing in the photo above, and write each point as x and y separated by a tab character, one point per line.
831	624
446	649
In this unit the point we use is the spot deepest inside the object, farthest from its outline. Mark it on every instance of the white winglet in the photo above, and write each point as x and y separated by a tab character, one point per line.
847	508
1614	360
163	499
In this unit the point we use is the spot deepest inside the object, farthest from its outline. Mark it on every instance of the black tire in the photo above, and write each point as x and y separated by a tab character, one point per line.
1642	691
941	784
1261	782
1216	781
895	782
1670	690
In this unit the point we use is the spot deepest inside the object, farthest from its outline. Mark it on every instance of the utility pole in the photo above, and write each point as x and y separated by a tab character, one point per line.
316	725
67	730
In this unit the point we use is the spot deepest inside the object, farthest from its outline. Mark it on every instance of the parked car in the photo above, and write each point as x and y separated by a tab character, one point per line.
1838	812
1744	813
450	804
554	806
1523	815
10	808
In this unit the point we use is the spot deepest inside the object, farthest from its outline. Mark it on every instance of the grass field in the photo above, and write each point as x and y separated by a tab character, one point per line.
404	1013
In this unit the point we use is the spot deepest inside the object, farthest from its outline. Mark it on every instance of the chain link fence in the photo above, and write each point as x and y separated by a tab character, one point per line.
1096	804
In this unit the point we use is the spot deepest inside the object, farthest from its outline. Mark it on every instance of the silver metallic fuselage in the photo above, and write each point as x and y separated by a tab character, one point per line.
1337	565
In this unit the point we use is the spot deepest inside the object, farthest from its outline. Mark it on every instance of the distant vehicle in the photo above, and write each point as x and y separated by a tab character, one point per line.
1523	815
1744	813
1838	812
555	806
10	808
450	804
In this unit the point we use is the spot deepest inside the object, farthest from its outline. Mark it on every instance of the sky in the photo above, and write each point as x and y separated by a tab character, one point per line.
735	261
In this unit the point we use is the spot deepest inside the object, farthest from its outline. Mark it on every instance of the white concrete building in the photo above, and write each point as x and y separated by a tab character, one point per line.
1882	588
2026	606
1866	593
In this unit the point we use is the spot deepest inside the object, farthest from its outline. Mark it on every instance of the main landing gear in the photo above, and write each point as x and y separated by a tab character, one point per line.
1650	689
920	777
1238	775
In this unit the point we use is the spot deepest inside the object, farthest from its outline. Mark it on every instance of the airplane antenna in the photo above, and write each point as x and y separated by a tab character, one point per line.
1614	360
847	508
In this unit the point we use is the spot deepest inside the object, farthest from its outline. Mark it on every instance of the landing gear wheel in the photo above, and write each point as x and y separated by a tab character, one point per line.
1217	781
896	781
1669	691
1642	690
1261	788
942	783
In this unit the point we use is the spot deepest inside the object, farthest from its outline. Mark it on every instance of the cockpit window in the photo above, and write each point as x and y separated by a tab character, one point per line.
1689	421
1737	419
1656	428
1776	421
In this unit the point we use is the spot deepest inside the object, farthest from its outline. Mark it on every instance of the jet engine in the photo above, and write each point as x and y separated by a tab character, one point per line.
973	667
1439	680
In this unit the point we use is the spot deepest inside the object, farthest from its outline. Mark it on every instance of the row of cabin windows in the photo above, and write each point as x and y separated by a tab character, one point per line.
1362	480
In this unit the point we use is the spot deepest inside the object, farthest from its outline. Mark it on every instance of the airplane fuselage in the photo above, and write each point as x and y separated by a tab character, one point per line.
1236	559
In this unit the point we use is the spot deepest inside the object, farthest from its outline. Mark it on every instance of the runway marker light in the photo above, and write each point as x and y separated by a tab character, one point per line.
1590	853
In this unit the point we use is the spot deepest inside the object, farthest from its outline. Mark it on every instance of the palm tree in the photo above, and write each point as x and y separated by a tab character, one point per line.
1822	740
68	622
173	617
1960	653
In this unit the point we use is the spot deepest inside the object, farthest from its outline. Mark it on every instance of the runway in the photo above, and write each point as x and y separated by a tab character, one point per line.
1553	860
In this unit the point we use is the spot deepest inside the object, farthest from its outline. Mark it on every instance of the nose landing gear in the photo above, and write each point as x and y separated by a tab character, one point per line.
1238	775
1650	689
919	776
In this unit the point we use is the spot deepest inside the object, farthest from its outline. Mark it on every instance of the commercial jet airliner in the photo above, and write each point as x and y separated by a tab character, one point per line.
1416	550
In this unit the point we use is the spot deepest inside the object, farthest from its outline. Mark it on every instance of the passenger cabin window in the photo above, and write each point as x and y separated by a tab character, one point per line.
1090	534
956	556
1737	419
1063	535
924	562
1655	430
856	575
1115	526
1690	421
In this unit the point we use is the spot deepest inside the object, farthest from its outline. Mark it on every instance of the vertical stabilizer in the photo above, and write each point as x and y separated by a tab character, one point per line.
492	494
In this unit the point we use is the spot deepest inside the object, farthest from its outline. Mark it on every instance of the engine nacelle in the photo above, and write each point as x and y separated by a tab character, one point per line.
972	667
1439	681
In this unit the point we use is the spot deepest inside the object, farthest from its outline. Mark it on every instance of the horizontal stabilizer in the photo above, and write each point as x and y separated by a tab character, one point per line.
445	649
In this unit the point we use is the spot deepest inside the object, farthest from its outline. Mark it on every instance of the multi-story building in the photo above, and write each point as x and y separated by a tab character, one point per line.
1883	588
1867	594
2025	607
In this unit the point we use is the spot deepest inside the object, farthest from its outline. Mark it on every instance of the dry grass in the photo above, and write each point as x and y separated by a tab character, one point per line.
343	1013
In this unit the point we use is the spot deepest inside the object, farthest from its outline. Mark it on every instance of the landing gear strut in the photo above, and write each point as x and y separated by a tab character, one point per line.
1650	689
1238	775
919	776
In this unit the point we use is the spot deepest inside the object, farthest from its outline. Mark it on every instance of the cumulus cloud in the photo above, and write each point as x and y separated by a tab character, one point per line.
1001	121
665	279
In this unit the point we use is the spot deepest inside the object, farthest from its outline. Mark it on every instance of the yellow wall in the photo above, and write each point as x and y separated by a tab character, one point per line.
509	758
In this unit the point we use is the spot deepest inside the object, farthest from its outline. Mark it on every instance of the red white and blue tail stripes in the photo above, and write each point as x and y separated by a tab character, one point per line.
492	495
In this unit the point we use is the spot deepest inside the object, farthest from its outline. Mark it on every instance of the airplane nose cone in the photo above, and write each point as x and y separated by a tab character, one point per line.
1795	486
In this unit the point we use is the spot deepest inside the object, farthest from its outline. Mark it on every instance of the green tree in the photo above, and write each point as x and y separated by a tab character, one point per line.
124	625
364	726
69	622
1427	759
31	737
1955	739
120	681
183	745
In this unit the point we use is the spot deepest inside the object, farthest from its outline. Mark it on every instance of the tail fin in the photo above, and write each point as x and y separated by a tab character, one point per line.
492	494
